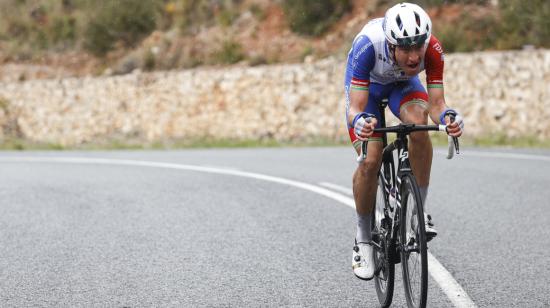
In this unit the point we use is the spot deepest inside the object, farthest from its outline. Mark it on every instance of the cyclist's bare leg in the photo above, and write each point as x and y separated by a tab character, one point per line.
420	156
420	145
365	183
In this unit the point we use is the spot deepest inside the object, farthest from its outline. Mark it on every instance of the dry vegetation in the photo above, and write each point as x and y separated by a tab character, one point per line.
89	36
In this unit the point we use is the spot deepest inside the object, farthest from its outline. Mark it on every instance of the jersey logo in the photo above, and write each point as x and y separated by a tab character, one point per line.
362	51
438	48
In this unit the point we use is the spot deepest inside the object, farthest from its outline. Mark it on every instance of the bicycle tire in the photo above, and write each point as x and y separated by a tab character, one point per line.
385	276
413	245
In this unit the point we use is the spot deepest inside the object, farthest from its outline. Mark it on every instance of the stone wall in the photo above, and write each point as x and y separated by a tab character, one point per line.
497	92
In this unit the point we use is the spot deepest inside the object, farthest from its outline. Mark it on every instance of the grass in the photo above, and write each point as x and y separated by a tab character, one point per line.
494	141
17	144
438	140
22	145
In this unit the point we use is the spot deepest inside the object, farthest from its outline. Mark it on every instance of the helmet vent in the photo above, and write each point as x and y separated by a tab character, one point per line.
393	35
428	28
399	22
417	18
417	32
405	33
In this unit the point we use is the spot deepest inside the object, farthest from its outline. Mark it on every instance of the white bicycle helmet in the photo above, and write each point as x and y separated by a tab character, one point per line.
407	24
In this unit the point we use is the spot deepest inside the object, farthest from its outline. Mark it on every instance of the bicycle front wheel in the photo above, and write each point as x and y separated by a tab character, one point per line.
384	269
414	254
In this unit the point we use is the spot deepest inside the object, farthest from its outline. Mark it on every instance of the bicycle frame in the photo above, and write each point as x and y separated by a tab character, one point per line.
391	176
392	179
390	242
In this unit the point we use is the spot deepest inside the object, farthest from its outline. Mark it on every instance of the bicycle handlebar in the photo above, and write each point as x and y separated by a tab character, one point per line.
407	129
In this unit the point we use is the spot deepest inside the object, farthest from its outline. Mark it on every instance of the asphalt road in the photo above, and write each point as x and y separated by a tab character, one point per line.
76	234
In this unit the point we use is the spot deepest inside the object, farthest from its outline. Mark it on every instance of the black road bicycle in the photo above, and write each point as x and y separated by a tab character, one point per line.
399	234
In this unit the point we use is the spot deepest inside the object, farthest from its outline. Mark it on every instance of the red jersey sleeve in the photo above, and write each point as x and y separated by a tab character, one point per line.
434	62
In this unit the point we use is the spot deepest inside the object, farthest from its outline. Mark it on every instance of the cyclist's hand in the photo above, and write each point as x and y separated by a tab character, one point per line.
456	127
364	126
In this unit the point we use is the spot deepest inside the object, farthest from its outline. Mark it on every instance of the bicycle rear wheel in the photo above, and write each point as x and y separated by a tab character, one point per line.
414	254
384	269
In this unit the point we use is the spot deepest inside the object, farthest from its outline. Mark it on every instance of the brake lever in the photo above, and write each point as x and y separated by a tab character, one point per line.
457	148
455	139
363	155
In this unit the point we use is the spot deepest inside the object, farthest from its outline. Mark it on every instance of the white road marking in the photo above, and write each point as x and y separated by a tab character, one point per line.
346	190
439	273
448	284
82	160
220	167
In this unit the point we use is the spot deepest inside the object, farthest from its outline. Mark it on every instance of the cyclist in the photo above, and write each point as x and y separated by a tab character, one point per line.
384	62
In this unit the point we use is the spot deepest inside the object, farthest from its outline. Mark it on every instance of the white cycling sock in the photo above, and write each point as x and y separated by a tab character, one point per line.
364	228
423	196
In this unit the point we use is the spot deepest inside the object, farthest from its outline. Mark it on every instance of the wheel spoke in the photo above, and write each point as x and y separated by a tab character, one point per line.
414	281
412	251
384	279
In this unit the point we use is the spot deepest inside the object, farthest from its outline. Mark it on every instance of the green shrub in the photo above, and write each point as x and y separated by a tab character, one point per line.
468	33
40	39
230	53
226	17
524	22
18	29
63	29
99	39
314	17
4	104
510	25
149	61
307	51
125	21
194	14
257	11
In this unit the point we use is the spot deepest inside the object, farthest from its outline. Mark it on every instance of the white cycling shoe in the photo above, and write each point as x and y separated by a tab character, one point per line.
362	261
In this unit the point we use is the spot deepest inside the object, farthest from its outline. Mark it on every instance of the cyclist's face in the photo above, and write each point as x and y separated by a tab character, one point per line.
409	58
